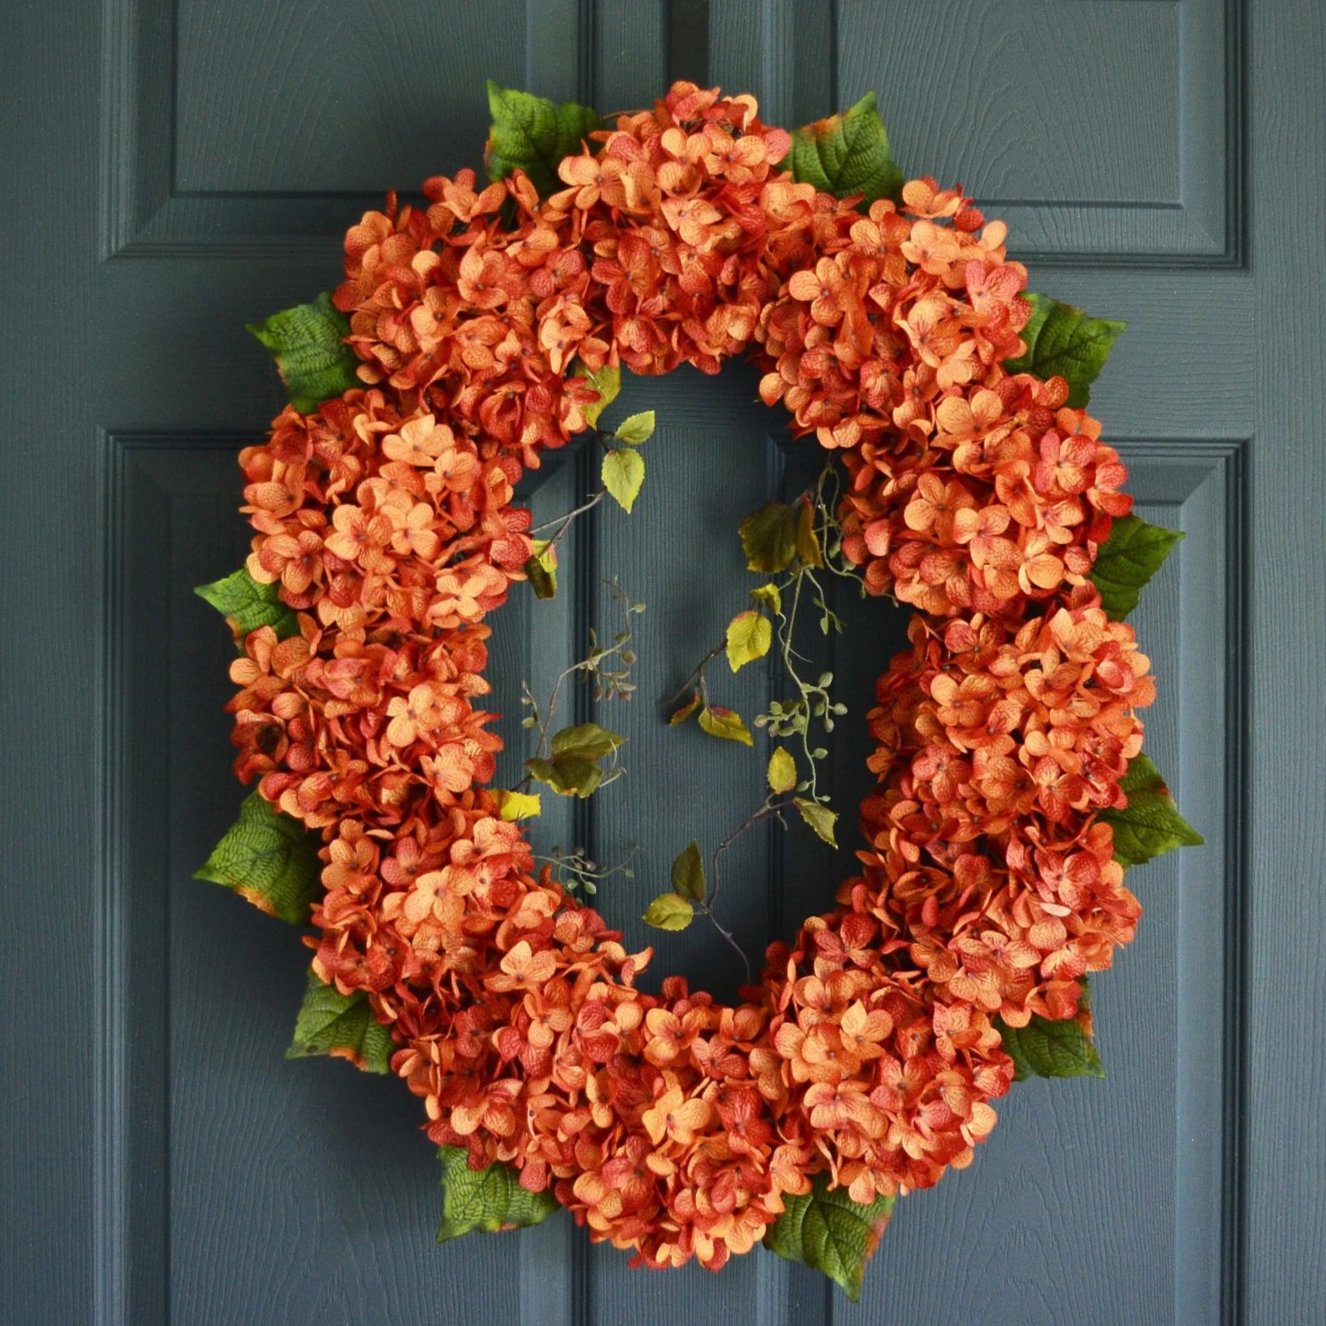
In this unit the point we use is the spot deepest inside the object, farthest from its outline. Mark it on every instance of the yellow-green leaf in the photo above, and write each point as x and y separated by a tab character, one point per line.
587	740
820	818
782	772
769	538
808	542
669	911
636	429
725	723
682	714
518	805
770	594
607	381
749	635
541	569
688	877
570	775
623	474
485	1200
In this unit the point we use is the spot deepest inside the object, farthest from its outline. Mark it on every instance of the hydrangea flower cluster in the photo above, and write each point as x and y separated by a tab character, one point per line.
672	1125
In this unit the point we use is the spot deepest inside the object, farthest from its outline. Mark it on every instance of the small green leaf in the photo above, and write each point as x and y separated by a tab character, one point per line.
820	818
847	153
1150	825
1062	341
533	134
586	740
541	570
669	911
682	714
688	877
749	635
514	806
808	542
269	859
342	1026
769	538
1050	1049
607	381
568	774
623	474
782	772
247	605
1127	560
725	723
829	1232
637	429
485	1199
308	344
769	594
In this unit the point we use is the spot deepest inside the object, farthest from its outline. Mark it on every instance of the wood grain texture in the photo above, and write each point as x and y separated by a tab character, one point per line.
1287	832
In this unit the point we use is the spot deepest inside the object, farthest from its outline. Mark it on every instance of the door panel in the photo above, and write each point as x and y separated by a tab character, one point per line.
165	1162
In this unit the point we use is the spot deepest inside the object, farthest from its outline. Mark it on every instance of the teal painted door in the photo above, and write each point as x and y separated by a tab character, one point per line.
178	169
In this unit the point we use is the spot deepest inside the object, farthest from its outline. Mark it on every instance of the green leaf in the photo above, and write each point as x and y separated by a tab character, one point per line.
749	635
829	1232
514	806
541	569
308	344
568	774
247	605
1062	341
533	134
820	818
1127	560
623	473
769	538
725	723
688	877
847	153
637	429
485	1199
782	772
586	740
769	594
669	911
607	381
1050	1049
269	859
1150	825
342	1026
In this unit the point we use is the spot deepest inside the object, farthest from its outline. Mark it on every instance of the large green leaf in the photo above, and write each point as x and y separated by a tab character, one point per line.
533	134
847	153
308	344
268	858
340	1025
1050	1049
485	1199
1150	825
1128	559
1062	341
247	605
828	1231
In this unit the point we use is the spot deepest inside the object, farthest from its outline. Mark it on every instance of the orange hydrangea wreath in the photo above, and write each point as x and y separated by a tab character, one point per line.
864	1062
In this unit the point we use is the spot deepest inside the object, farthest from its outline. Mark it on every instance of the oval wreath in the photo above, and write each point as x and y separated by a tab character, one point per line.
488	325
